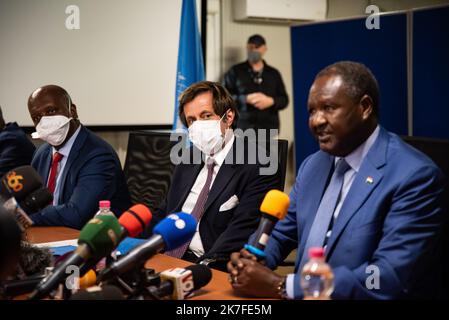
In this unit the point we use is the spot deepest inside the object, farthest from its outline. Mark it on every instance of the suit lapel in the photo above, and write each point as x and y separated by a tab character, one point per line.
73	155
224	175
47	164
366	180
188	178
312	194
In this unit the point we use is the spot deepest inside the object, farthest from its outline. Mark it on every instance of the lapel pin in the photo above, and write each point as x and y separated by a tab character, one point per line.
370	180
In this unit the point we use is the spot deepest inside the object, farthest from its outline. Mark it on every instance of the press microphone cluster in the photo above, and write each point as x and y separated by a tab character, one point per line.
274	207
169	234
97	239
23	193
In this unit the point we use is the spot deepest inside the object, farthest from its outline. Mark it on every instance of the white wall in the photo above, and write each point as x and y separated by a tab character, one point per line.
119	67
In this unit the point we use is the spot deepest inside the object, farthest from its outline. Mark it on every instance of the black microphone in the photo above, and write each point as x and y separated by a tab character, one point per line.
14	288
36	200
19	183
180	283
99	293
15	186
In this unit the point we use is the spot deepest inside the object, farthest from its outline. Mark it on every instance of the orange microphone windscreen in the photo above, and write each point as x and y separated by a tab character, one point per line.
275	204
88	280
135	219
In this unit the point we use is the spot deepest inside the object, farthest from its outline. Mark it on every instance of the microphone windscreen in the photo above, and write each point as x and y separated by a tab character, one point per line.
88	280
101	234
99	293
135	219
20	182
34	260
275	204
176	229
36	200
201	275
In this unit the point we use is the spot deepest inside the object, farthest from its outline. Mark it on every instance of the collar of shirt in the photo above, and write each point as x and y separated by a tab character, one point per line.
355	158
220	156
65	150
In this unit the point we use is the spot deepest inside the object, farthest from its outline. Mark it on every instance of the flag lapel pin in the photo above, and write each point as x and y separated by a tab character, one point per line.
369	180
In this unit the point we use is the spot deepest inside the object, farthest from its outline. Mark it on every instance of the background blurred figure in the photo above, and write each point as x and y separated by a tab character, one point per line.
257	88
15	148
10	237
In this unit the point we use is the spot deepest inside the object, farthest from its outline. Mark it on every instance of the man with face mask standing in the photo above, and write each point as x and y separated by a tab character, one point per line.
257	88
221	190
79	168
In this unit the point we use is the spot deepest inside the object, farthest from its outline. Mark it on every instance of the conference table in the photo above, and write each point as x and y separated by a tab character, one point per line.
218	288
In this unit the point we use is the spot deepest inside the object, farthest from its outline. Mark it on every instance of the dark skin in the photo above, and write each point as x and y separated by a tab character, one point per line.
51	100
340	125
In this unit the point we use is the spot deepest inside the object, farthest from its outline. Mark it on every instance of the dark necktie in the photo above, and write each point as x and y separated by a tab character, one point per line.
198	209
54	172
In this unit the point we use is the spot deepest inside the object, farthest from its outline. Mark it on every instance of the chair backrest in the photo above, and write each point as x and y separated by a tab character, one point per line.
438	151
148	169
283	155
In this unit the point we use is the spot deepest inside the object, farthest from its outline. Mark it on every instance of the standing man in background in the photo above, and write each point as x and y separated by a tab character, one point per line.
15	148
257	88
80	169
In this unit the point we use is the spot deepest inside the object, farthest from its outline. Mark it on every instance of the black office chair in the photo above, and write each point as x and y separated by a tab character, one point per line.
148	169
438	151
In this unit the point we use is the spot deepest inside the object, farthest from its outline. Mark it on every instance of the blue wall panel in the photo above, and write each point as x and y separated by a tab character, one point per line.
431	73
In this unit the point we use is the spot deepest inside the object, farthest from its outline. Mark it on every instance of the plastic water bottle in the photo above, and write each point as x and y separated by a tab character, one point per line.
317	278
105	208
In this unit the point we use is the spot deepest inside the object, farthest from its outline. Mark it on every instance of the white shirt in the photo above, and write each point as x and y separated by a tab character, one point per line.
196	246
354	160
65	151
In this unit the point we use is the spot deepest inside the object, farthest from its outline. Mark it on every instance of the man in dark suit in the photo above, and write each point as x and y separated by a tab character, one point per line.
372	201
80	169
15	147
225	193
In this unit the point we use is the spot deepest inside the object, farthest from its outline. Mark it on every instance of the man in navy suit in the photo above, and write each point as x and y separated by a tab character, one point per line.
80	169
223	190
15	148
384	218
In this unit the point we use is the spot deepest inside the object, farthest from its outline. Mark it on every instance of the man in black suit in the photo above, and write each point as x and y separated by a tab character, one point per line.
15	148
225	194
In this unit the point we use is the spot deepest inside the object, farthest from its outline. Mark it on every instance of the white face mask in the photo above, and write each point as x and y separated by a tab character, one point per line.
206	135
52	129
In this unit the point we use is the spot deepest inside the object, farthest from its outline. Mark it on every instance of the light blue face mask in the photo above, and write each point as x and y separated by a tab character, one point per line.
254	56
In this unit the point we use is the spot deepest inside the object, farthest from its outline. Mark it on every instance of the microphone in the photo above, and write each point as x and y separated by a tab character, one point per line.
274	207
36	200
19	183
169	234
97	239
34	260
99	293
15	186
133	221
180	284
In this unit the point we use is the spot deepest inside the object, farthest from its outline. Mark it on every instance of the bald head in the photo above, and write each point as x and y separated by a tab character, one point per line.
52	100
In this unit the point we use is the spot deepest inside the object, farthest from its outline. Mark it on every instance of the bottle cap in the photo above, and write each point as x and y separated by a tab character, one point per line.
105	204
316	252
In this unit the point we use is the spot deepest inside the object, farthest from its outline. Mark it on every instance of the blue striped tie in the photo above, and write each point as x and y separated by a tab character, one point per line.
326	210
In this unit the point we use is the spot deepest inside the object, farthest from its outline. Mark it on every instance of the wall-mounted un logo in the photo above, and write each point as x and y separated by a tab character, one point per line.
373	20
72	22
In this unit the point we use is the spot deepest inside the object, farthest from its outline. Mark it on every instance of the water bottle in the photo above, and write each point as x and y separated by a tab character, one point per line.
105	208
317	278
